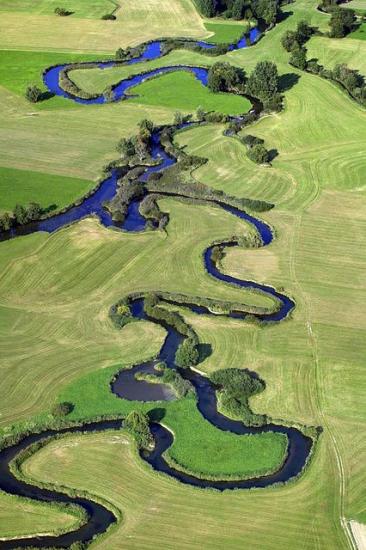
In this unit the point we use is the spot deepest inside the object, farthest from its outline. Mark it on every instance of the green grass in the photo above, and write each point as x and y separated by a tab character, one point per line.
359	33
230	455
225	32
93	9
24	186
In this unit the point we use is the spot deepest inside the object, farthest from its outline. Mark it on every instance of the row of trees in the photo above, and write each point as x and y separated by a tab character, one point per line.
20	216
267	10
350	79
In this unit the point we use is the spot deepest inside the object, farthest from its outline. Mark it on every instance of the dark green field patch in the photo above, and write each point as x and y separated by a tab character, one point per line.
49	190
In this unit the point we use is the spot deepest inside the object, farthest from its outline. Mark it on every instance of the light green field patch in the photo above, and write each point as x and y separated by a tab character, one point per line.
24	186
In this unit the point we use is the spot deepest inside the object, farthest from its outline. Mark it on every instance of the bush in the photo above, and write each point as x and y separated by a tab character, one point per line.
289	41
108	94
235	386
137	424
108	17
120	54
258	154
126	147
63	12
33	94
187	354
298	58
5	222
62	409
250	140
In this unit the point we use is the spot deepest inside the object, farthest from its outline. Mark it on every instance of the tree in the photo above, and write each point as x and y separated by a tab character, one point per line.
222	77
266	10
289	41
298	58
146	124
62	409
20	214
238	9
33	94
34	211
186	354
348	77
200	113
126	147
208	8
341	22
178	118
263	81
120	54
258	154
108	94
137	423
303	32
145	130
5	222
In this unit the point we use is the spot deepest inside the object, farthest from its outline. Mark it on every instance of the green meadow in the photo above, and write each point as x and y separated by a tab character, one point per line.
56	290
49	190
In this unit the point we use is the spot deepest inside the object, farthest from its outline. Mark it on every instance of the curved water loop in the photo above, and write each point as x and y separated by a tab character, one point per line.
126	385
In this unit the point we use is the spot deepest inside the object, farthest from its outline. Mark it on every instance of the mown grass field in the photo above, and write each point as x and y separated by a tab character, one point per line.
136	22
50	191
157	512
93	9
55	290
24	518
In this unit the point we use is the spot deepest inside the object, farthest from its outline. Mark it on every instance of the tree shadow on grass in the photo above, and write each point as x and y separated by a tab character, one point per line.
272	154
157	414
46	95
287	81
204	351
